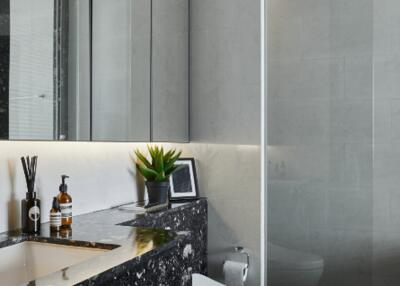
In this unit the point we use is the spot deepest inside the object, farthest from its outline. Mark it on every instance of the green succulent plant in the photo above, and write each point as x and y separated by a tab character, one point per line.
162	163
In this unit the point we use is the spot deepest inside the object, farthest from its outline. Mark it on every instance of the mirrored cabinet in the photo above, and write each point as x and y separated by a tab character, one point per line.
94	70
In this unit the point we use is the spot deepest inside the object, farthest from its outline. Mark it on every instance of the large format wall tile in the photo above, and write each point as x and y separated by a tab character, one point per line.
320	133
225	72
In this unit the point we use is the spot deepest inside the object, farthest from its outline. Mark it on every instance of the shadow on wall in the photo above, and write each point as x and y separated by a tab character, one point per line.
223	242
13	205
229	176
223	246
138	178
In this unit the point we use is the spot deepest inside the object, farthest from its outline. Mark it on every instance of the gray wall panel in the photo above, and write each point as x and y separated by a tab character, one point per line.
170	70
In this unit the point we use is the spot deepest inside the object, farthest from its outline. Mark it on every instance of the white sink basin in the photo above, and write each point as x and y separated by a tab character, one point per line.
29	260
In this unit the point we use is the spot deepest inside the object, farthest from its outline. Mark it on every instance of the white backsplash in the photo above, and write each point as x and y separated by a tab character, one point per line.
101	176
229	176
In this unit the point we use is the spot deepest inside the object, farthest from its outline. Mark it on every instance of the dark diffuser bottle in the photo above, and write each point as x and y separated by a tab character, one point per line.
30	207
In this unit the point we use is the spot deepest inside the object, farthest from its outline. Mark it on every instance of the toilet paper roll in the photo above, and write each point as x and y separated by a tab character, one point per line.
235	273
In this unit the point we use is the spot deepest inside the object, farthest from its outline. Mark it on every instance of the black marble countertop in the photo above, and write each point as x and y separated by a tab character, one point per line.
103	229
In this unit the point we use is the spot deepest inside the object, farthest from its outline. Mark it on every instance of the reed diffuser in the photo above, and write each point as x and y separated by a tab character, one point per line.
30	206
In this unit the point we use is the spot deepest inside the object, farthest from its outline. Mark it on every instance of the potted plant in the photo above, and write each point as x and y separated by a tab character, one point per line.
157	172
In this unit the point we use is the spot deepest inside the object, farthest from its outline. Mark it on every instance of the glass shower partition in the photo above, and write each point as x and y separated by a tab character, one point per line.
332	180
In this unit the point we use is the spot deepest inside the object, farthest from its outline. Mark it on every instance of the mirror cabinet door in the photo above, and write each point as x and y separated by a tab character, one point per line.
170	71
32	104
77	121
101	70
44	54
121	70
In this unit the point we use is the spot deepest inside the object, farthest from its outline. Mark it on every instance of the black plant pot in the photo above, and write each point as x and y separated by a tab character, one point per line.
157	192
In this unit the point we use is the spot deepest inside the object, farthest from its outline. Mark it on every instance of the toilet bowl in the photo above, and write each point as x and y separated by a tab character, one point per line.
287	267
201	280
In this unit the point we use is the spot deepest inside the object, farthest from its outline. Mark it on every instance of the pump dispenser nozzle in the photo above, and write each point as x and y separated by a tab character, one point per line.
56	204
63	186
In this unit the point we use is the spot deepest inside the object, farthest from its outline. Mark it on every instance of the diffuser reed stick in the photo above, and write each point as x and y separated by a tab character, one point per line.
30	166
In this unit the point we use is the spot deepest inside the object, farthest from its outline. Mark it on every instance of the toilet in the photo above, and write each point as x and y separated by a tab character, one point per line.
287	267
201	280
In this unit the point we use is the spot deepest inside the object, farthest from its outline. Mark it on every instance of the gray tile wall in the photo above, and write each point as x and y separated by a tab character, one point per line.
320	134
386	210
225	71
225	125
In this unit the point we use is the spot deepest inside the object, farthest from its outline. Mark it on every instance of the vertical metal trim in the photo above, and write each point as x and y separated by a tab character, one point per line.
91	69
56	90
189	119
264	142
130	105
151	71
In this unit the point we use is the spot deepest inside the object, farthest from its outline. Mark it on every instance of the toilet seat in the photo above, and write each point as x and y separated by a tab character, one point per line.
284	259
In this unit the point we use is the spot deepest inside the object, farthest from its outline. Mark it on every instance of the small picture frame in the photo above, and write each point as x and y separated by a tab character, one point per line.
184	181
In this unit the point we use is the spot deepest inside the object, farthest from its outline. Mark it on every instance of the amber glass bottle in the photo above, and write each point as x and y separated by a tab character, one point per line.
55	216
65	203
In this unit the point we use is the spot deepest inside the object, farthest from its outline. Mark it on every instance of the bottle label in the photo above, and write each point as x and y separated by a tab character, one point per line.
66	210
55	219
34	214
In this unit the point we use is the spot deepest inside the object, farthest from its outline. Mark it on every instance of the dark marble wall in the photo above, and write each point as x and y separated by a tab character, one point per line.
191	254
4	67
169	267
190	216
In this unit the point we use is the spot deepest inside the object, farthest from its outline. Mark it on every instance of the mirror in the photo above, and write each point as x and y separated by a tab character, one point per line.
48	94
82	70
121	70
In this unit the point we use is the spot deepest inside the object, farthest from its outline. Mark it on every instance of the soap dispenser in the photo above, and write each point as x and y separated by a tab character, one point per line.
65	203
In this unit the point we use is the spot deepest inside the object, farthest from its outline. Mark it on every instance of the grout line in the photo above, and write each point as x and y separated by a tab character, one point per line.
151	71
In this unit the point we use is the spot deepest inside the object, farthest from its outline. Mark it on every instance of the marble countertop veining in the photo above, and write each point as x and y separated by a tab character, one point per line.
103	230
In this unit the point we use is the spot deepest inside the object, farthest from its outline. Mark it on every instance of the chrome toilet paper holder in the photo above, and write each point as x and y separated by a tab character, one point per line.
240	249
